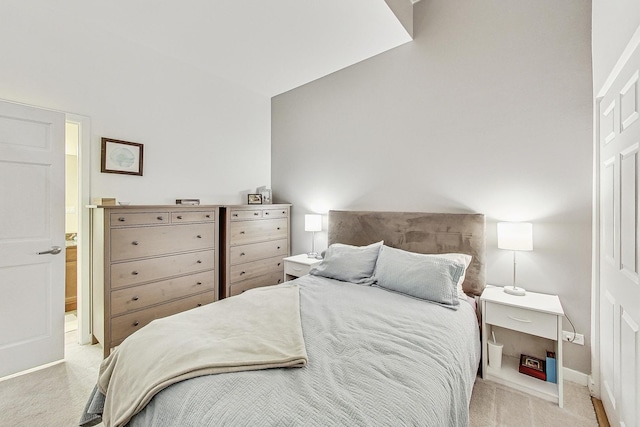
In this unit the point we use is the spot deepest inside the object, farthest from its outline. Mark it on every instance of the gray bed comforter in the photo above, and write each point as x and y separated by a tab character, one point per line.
376	358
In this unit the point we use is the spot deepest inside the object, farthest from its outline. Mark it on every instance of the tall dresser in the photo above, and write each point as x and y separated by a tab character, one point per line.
256	239
150	262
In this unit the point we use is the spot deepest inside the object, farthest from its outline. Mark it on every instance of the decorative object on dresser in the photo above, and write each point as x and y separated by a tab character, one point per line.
298	265
515	236
150	262
121	157
254	199
313	223
255	241
190	202
266	195
533	314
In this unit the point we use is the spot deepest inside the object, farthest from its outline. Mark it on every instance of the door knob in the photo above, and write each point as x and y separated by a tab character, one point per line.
55	250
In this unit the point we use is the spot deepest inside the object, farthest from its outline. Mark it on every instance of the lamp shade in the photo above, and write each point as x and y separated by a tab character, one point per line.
312	222
515	236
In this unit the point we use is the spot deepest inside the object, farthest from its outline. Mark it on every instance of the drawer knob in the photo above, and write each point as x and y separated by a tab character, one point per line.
199	236
135	298
136	323
135	273
266	213
278	228
284	212
179	217
199	305
198	283
160	218
279	264
235	215
279	280
255	214
135	243
241	253
121	219
198	262
207	216
278	247
242	272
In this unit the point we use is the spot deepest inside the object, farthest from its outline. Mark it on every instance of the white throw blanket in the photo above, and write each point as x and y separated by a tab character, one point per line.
258	329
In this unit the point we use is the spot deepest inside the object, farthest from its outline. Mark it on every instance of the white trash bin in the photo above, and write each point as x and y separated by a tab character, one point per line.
495	355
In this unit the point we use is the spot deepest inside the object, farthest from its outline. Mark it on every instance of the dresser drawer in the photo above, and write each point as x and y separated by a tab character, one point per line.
275	213
253	269
523	320
133	272
125	325
144	218
141	296
131	243
244	214
243	232
256	251
256	282
194	216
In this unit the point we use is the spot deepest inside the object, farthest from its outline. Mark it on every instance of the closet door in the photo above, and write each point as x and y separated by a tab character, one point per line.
619	300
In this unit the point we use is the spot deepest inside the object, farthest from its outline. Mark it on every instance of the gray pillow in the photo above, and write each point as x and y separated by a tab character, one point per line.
427	277
348	263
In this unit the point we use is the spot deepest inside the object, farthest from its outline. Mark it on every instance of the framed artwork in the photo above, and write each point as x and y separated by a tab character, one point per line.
121	157
254	199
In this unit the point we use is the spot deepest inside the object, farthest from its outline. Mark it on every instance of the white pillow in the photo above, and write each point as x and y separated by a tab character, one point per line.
462	259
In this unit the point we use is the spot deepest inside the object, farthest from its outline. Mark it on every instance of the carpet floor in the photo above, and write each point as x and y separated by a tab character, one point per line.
55	397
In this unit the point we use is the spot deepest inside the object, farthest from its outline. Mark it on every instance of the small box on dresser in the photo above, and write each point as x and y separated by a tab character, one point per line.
255	240
150	262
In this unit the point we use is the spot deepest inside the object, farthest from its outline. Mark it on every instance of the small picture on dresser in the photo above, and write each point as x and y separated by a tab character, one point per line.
255	199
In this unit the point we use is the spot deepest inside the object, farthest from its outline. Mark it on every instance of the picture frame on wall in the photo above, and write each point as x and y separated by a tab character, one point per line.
254	199
121	157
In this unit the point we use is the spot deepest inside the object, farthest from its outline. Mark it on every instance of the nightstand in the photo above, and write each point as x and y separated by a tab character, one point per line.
533	314
298	265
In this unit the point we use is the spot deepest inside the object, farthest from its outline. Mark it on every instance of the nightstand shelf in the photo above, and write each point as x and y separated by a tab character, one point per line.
534	314
298	265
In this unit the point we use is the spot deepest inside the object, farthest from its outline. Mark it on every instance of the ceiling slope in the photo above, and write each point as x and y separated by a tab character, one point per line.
269	47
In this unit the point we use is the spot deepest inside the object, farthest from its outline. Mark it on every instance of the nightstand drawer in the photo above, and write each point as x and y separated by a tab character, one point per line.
296	269
519	319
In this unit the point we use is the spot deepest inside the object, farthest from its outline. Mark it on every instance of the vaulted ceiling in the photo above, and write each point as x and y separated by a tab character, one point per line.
268	46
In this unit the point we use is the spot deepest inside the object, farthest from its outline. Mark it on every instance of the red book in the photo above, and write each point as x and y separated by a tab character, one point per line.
533	366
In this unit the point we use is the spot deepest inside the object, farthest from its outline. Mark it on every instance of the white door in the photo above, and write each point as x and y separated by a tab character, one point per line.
31	222
618	143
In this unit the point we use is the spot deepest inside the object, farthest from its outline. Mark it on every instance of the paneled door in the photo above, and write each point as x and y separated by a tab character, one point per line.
618	144
31	237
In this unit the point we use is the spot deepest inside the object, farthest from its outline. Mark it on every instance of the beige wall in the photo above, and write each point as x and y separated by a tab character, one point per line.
487	110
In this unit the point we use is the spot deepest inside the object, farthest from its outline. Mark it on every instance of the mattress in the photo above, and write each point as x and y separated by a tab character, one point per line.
375	358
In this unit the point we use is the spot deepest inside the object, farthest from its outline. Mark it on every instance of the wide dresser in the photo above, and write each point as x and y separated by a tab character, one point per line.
255	240
150	262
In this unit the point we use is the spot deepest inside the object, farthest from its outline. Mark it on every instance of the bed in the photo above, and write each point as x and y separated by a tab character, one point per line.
373	355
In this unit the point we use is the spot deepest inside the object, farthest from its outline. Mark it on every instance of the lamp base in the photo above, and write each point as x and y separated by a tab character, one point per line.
312	255
514	290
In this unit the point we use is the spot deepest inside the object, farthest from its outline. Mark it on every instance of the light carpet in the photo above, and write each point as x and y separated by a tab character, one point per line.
55	397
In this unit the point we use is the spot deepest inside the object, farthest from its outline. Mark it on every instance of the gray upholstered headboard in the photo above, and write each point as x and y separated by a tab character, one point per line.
427	233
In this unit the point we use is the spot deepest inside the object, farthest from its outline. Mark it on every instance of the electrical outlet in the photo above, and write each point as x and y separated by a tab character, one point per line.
569	337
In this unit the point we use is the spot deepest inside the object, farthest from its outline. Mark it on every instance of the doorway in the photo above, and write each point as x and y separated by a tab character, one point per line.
77	226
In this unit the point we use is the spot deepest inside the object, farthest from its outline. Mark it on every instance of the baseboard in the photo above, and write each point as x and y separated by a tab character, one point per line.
575	376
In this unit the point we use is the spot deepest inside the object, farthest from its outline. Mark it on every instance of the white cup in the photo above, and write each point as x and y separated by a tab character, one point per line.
495	355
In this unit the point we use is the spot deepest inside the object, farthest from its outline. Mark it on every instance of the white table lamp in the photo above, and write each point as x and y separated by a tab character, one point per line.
515	236
313	223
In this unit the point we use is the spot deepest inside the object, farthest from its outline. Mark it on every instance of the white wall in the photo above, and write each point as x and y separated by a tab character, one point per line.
487	110
203	137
